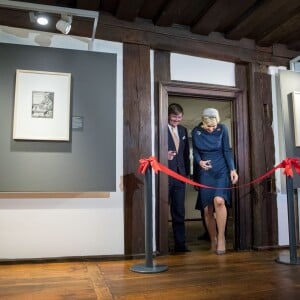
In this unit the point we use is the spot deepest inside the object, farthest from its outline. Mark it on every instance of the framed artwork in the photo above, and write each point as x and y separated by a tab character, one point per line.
296	112
42	106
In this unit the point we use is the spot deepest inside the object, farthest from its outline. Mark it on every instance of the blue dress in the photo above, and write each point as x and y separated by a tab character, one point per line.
213	146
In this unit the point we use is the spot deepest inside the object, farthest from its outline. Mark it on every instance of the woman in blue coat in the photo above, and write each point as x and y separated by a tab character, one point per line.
214	157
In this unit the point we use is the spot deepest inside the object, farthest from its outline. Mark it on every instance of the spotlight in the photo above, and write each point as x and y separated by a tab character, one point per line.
39	18
42	20
64	24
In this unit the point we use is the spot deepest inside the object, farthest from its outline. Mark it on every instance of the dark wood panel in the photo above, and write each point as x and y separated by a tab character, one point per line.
265	227
161	73
137	141
243	205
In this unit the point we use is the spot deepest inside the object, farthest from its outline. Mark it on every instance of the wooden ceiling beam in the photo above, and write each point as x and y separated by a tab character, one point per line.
129	10
183	41
255	20
169	13
89	5
284	33
228	11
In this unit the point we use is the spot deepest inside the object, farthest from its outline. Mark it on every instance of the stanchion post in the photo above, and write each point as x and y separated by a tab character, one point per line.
292	259
148	218
148	267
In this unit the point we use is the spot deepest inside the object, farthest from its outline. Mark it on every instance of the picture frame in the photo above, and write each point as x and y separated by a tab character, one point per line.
296	113
42	106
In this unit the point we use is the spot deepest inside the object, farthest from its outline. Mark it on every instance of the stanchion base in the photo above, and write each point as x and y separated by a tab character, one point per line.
141	268
286	259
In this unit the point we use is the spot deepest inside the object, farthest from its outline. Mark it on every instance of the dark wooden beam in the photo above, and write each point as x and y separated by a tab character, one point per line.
285	32
161	73
137	141
226	10
255	20
89	5
165	17
181	40
264	205
243	203
181	12
128	10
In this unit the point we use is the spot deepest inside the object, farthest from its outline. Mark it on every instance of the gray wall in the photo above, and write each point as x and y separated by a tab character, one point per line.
87	161
289	82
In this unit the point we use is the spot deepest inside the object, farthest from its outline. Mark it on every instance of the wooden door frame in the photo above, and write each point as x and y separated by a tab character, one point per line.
240	147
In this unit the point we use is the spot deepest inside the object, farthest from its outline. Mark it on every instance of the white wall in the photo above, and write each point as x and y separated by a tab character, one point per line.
280	154
44	228
204	70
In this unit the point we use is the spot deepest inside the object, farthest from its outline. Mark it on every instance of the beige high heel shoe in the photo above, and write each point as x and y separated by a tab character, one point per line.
221	251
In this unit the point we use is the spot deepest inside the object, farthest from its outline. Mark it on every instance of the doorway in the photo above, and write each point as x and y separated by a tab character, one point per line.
206	95
196	235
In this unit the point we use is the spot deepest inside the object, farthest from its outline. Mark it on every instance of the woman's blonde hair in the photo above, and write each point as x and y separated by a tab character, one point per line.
210	117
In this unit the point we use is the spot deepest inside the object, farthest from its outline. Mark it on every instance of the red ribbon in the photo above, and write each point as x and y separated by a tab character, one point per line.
287	164
144	163
156	166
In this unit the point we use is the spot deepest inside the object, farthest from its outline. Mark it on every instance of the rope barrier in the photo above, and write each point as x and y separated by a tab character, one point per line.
287	164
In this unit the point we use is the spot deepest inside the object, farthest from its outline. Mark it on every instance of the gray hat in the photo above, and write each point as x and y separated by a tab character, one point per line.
211	112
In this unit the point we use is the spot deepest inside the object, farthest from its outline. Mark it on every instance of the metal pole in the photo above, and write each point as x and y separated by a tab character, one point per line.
148	218
292	259
148	267
291	217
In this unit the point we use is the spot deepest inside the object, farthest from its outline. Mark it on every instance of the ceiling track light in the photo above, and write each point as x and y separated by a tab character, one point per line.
51	9
64	24
40	18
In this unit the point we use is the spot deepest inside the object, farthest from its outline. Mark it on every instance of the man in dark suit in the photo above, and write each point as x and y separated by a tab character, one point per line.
178	161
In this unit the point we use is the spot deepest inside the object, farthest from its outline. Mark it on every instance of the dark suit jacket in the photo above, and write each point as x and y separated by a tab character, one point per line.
181	162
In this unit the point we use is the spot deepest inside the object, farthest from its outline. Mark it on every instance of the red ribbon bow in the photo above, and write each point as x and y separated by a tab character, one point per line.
288	164
144	163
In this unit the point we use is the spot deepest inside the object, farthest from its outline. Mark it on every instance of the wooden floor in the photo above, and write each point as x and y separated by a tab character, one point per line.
199	274
196	275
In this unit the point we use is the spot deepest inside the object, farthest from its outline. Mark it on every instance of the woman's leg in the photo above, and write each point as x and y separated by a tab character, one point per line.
211	225
221	217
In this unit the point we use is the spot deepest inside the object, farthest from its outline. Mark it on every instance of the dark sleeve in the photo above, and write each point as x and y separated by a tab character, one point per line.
186	153
226	148
196	170
196	153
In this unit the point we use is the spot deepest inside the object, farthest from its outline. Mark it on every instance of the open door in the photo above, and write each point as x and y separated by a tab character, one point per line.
239	144
196	235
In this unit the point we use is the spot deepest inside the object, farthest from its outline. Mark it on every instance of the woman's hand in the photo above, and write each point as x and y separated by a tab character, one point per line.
234	176
205	164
